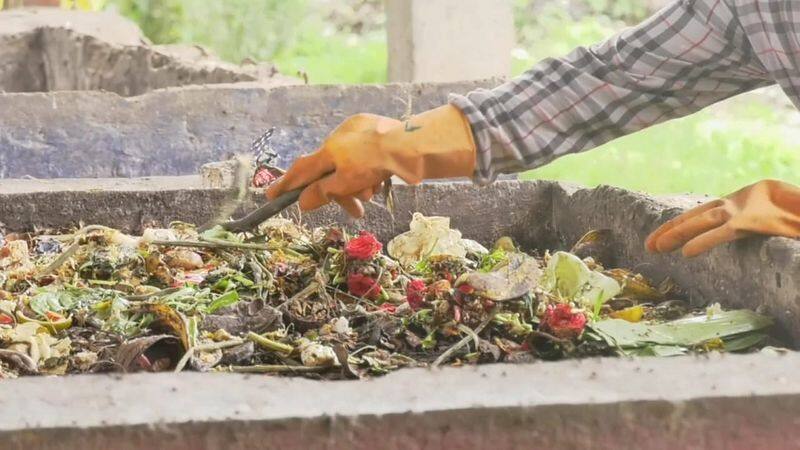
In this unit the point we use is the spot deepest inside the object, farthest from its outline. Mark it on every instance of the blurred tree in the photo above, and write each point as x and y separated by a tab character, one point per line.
23	3
88	5
162	21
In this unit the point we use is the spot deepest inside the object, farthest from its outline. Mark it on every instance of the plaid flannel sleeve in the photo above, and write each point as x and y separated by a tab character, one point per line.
687	56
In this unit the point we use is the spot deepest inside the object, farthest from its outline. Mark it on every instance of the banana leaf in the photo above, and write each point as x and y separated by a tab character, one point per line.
733	327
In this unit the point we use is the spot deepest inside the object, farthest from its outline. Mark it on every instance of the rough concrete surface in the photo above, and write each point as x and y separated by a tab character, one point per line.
713	403
49	49
176	130
422	46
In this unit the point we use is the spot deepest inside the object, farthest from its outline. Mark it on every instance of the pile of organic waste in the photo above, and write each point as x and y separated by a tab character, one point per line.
327	303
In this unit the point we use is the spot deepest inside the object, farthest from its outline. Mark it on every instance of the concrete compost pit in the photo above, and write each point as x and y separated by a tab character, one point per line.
728	401
47	49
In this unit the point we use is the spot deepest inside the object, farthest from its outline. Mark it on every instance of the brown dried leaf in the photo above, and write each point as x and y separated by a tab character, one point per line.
151	353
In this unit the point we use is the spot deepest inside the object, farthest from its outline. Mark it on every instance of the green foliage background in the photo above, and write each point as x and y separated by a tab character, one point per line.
343	41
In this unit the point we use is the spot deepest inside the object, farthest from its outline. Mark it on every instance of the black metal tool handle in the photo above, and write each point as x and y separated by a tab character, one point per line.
263	213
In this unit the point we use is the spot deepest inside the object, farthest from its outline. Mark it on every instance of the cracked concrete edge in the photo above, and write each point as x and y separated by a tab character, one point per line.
108	26
174	131
48	49
587	404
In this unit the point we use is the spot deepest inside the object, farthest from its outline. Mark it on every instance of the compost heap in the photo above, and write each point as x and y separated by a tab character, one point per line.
332	304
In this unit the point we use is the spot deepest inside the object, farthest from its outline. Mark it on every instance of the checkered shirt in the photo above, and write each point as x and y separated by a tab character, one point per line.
687	56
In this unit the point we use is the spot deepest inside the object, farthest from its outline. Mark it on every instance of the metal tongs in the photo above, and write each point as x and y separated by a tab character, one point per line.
265	157
260	215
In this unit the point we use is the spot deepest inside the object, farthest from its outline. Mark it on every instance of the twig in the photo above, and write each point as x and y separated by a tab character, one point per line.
471	335
550	337
207	244
269	344
347	294
267	368
62	258
161	293
67	254
205	348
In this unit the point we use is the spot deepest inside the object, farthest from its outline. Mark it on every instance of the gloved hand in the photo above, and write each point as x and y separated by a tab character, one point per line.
768	207
366	150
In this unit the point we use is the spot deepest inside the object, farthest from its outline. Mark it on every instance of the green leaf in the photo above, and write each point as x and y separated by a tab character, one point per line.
514	323
744	342
192	330
490	260
693	330
48	300
566	275
218	233
227	299
686	332
430	341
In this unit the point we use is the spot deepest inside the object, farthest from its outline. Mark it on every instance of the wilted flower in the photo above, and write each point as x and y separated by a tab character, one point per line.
362	285
440	288
562	322
415	294
363	247
317	355
388	307
263	177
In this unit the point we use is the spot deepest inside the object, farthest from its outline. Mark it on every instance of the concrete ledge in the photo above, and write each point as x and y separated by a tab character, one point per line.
174	131
720	402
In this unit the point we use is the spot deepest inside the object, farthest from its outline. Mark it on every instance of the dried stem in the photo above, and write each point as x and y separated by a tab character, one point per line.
206	244
269	344
472	335
205	348
265	368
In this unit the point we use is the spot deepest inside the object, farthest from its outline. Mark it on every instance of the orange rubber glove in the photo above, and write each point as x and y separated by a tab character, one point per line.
768	207
366	150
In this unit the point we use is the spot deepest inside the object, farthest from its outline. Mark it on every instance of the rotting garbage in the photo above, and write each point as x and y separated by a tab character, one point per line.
330	303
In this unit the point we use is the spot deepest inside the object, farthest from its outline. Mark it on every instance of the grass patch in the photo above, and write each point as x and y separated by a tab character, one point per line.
702	153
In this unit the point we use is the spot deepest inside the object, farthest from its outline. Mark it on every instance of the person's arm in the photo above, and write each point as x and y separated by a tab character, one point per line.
687	56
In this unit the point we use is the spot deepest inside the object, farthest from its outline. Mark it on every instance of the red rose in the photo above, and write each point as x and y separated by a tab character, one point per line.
415	294
363	247
562	322
361	285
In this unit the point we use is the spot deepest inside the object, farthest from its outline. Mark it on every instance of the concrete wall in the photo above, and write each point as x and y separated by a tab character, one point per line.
174	131
449	40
